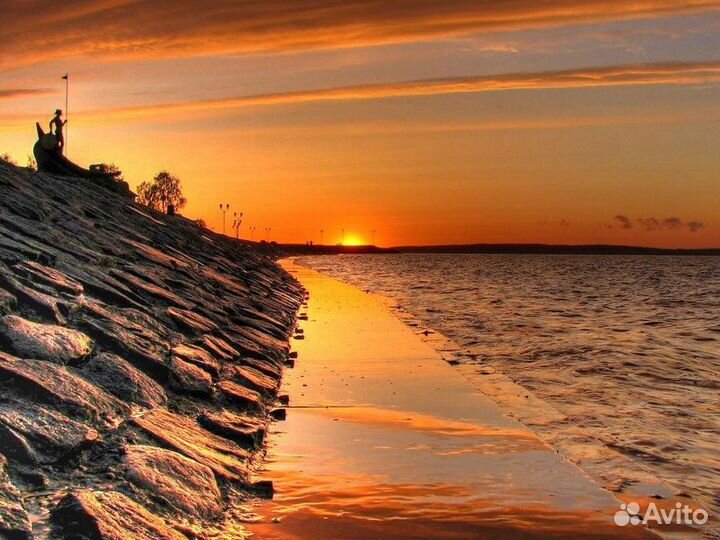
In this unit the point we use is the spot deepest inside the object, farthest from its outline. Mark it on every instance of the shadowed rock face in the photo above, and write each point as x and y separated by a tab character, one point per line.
136	349
14	521
125	382
35	434
7	302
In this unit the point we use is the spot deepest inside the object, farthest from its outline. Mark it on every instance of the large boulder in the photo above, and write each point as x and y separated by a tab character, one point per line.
240	396
31	433
45	305
225	458
187	378
219	348
184	483
124	381
244	430
145	287
198	356
129	333
271	369
41	276
190	321
108	515
61	388
254	379
50	342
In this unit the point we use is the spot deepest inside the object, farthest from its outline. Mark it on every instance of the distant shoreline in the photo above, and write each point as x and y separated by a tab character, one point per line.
509	249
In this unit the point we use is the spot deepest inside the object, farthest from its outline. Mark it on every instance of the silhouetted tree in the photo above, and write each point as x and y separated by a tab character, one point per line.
31	163
162	193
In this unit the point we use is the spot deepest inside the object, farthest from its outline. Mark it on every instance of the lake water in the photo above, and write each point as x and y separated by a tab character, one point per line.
627	348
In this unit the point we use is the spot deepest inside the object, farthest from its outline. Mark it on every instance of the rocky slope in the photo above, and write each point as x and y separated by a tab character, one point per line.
140	358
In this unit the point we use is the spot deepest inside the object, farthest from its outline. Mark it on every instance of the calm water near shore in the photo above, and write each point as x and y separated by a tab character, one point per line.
625	347
383	439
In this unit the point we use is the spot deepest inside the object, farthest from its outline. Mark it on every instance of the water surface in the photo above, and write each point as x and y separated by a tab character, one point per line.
626	347
383	439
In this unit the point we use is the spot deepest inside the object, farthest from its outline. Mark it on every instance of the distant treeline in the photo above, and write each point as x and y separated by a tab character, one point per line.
530	249
549	249
305	249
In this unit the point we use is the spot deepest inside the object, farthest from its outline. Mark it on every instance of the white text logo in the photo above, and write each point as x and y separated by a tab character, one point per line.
629	514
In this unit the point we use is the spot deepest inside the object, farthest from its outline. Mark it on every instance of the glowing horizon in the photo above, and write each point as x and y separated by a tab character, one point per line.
571	123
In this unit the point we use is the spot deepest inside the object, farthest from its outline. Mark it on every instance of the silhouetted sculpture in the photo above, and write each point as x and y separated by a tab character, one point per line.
49	158
59	124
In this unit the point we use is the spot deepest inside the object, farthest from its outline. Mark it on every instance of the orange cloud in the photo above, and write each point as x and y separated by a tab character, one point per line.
13	93
626	75
180	28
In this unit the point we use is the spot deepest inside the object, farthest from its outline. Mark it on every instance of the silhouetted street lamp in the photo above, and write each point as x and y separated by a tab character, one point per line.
373	236
267	233
236	224
322	232
223	209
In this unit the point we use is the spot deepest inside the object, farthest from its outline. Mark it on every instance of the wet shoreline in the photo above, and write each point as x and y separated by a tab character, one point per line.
601	356
385	438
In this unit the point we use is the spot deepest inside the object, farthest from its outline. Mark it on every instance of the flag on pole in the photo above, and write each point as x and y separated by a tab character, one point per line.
66	78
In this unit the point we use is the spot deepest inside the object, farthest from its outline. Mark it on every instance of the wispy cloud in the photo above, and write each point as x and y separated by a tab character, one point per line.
623	222
181	28
625	75
669	224
340	128
561	223
659	224
15	93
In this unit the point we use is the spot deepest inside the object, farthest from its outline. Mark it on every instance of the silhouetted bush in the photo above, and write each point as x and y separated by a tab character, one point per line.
7	159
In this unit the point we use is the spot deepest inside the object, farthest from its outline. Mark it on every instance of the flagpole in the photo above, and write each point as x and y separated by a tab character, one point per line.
67	112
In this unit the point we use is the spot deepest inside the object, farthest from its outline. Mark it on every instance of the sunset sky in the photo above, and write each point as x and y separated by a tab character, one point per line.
453	121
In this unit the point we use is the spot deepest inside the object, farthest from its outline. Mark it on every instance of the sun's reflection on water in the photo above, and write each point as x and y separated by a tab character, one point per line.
384	440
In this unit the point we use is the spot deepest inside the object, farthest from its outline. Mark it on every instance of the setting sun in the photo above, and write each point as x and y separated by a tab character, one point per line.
353	240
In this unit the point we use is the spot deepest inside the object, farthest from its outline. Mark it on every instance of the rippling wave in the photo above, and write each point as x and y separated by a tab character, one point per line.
626	347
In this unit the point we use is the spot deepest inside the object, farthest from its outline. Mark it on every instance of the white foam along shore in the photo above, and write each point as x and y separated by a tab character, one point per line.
384	437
